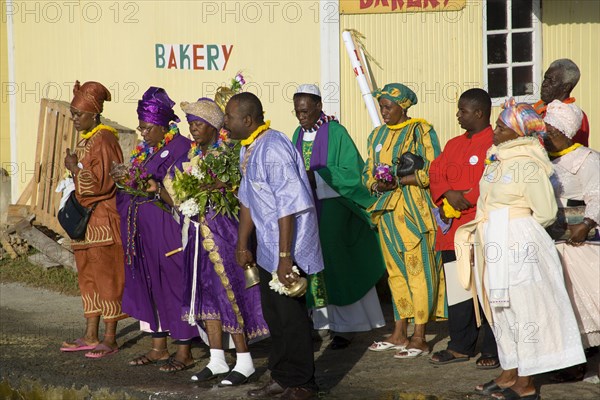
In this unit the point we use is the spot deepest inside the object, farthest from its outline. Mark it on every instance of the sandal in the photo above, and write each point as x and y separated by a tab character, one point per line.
174	365
145	360
101	351
447	357
509	394
488	388
383	346
481	361
411	353
571	374
234	378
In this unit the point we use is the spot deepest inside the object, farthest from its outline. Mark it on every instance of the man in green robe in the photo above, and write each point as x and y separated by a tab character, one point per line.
342	298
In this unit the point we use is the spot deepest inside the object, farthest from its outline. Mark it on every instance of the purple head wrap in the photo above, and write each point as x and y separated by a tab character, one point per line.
156	107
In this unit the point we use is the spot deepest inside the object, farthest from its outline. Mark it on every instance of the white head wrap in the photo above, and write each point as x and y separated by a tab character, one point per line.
564	117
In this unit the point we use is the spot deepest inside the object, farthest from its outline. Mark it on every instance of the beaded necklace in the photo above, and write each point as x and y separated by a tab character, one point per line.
143	151
322	120
91	133
407	122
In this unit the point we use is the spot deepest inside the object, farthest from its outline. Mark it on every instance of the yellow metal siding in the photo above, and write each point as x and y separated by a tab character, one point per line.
438	55
276	44
571	29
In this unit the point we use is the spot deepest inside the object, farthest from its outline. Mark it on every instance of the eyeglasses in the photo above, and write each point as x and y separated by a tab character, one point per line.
145	129
302	113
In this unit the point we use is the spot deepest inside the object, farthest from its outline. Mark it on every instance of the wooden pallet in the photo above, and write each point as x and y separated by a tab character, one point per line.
56	133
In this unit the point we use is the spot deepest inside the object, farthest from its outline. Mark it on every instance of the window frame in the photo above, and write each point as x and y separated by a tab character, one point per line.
536	48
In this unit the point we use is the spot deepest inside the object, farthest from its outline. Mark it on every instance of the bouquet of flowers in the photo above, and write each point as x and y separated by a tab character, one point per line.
383	173
209	181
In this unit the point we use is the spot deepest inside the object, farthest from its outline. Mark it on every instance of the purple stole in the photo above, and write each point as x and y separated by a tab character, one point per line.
318	158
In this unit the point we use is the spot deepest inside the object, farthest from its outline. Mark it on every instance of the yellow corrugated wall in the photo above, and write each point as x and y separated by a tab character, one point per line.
571	29
440	55
436	54
275	43
4	110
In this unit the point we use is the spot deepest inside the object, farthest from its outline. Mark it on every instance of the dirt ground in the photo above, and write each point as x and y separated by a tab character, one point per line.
33	323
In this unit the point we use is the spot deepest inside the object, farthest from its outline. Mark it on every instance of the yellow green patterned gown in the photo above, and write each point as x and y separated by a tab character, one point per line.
406	225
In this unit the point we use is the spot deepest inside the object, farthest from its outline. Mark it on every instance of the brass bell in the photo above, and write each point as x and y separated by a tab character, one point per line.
251	275
298	288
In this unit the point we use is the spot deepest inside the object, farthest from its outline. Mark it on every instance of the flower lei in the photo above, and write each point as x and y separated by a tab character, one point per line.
405	123
142	151
248	141
91	133
564	151
196	151
322	120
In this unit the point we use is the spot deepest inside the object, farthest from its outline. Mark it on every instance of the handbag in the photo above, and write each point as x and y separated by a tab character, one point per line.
409	162
74	217
570	215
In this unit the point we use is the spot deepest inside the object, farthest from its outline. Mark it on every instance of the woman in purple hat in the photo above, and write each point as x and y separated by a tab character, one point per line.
153	270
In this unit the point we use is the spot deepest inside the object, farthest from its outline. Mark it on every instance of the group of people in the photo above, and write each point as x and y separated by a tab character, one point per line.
460	232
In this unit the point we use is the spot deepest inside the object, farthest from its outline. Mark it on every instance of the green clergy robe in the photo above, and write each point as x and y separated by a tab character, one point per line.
351	250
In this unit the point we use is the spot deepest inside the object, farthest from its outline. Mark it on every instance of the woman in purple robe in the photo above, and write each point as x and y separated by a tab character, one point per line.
153	272
215	295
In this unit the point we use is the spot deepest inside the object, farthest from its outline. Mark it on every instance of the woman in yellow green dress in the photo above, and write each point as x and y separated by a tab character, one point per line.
405	220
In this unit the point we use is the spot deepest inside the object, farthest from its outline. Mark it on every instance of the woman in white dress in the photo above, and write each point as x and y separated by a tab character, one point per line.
576	182
517	272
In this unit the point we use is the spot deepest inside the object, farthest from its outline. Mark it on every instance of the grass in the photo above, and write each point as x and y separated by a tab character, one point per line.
33	390
56	279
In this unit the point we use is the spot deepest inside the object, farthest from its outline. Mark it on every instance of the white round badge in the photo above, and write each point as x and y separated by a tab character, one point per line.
378	148
164	154
473	160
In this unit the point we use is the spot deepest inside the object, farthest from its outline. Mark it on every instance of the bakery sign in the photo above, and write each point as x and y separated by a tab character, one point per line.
397	6
194	56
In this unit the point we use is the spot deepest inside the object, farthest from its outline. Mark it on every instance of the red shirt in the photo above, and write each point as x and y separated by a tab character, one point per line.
459	167
583	134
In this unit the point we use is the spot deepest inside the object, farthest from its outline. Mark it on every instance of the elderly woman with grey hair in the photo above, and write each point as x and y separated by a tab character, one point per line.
576	183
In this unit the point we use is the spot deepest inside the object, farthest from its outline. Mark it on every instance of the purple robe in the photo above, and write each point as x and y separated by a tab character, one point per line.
220	291
153	282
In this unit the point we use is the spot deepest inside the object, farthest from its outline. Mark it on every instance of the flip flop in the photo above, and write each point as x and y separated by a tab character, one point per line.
446	357
384	346
106	351
80	345
411	353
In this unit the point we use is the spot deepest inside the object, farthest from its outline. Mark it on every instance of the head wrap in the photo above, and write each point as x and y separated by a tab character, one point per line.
204	110
90	97
522	118
309	89
156	107
398	93
564	117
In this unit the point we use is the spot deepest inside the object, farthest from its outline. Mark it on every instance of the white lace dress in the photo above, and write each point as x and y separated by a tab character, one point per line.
577	177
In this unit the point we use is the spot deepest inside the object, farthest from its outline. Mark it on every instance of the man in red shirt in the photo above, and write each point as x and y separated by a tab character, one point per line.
454	180
560	79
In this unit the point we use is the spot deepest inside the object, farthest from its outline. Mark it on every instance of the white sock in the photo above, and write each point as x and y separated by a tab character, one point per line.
244	364
217	363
